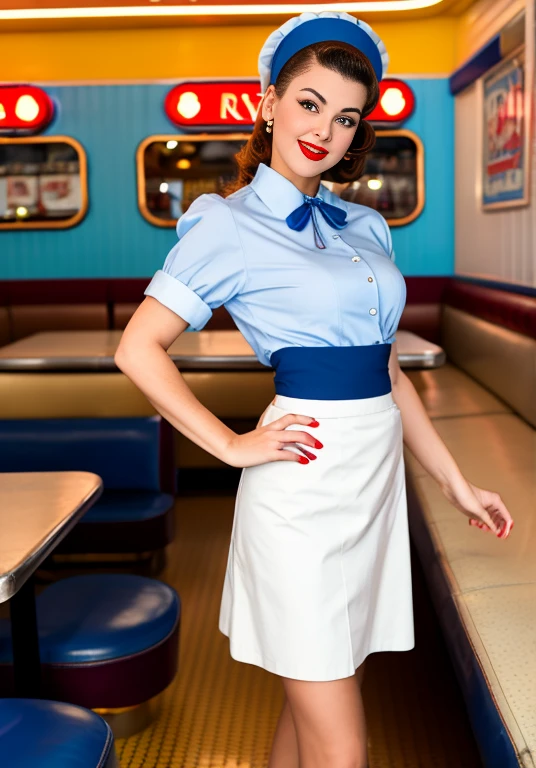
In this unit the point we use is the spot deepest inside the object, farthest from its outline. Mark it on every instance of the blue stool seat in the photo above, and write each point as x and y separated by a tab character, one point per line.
99	634
50	734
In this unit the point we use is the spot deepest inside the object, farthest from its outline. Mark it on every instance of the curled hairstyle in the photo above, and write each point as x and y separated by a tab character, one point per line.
352	65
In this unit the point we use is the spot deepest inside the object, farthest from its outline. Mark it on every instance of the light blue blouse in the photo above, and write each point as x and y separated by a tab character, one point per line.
280	289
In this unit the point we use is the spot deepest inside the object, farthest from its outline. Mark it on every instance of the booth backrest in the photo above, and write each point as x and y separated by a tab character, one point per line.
5	332
32	306
26	319
491	334
128	453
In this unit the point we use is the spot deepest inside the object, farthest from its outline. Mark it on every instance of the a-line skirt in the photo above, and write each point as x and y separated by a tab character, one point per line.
318	574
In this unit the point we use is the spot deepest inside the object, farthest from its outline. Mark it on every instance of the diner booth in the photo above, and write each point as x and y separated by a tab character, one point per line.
115	527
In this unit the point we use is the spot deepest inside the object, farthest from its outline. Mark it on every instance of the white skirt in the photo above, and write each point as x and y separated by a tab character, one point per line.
318	574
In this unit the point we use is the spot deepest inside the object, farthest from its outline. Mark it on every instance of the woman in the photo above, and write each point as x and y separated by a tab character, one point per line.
318	574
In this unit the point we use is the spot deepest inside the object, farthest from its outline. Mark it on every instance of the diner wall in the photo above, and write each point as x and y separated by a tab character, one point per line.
498	245
422	46
114	240
110	86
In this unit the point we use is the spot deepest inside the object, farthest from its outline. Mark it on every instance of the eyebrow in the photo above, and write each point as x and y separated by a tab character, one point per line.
322	99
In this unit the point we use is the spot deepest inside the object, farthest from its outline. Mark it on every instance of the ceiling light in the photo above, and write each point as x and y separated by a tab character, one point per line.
362	6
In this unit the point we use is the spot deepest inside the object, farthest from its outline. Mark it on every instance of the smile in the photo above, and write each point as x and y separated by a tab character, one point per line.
311	151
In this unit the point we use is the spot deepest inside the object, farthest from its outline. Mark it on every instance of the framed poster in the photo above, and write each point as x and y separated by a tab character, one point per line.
505	134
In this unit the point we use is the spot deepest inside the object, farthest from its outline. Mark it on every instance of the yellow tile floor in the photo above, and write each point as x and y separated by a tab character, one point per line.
220	713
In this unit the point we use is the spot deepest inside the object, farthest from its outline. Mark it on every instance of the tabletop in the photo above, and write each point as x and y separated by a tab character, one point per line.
37	510
194	350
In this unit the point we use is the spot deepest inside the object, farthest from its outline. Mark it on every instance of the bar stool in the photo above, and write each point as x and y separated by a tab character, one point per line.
106	640
49	734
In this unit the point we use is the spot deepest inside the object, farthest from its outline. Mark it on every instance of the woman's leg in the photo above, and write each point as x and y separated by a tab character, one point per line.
285	744
285	752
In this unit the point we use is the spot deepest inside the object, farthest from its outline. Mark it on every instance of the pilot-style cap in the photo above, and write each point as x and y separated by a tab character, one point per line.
309	28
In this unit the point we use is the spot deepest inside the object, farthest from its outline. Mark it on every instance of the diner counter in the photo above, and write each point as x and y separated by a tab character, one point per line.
86	351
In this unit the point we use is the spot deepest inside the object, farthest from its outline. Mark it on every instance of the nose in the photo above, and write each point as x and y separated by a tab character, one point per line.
323	130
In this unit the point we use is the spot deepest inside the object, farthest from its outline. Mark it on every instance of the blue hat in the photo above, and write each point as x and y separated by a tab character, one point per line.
310	27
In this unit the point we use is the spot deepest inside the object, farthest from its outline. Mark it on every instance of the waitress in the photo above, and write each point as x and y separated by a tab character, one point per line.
318	573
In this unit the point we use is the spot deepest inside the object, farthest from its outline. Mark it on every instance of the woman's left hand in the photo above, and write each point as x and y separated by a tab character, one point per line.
485	509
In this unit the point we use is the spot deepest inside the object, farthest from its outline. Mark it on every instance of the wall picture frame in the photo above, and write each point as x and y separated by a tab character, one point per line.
505	135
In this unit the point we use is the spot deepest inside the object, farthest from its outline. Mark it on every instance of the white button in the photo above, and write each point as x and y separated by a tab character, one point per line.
356	258
372	311
370	280
336	237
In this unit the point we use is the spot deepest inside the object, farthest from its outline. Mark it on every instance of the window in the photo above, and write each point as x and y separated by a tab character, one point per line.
393	179
174	170
43	183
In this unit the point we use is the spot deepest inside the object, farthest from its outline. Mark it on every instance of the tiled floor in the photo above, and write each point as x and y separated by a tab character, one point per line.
220	713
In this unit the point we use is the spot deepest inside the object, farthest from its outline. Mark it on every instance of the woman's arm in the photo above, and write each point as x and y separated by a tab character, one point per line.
142	356
426	445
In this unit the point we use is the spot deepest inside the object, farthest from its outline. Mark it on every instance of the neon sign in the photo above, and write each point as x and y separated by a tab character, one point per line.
214	105
24	109
234	104
396	104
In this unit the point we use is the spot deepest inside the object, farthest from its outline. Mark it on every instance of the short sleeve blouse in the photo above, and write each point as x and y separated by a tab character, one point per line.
205	268
280	289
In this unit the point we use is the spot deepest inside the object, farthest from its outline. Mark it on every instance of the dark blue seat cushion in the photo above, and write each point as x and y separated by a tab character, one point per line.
50	734
96	617
128	507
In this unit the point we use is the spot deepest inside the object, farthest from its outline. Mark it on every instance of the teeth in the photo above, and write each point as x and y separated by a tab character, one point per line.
311	149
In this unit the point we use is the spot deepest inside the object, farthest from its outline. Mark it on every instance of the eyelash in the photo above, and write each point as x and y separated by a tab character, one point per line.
350	124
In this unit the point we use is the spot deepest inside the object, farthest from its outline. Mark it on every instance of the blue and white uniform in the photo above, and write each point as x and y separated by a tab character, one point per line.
318	573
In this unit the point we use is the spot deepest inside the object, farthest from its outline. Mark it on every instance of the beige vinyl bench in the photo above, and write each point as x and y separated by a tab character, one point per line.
483	404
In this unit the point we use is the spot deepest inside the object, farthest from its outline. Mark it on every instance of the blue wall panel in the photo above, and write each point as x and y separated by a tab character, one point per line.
426	246
115	241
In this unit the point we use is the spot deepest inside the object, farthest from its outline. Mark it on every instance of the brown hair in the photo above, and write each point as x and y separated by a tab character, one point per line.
348	62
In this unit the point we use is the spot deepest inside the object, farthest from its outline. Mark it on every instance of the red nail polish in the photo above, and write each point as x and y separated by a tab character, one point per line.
303	460
314	423
318	444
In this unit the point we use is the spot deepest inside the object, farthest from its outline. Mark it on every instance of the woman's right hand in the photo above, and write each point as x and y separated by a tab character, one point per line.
265	444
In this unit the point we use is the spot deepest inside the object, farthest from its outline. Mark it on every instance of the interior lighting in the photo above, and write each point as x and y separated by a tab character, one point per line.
188	105
375	184
362	6
393	101
26	108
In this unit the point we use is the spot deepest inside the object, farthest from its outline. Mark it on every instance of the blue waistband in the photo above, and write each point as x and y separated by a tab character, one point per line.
332	373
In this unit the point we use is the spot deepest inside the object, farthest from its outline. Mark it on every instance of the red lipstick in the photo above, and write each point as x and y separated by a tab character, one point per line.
308	148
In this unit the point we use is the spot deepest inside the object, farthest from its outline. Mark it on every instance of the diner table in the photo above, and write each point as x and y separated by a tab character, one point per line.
193	351
37	510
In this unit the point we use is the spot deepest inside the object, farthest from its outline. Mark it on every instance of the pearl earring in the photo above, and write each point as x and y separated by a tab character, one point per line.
269	126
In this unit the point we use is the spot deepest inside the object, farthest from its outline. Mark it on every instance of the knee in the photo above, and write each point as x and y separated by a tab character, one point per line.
339	756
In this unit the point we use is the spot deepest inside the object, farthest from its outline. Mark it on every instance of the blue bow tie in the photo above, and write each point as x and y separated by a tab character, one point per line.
334	216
